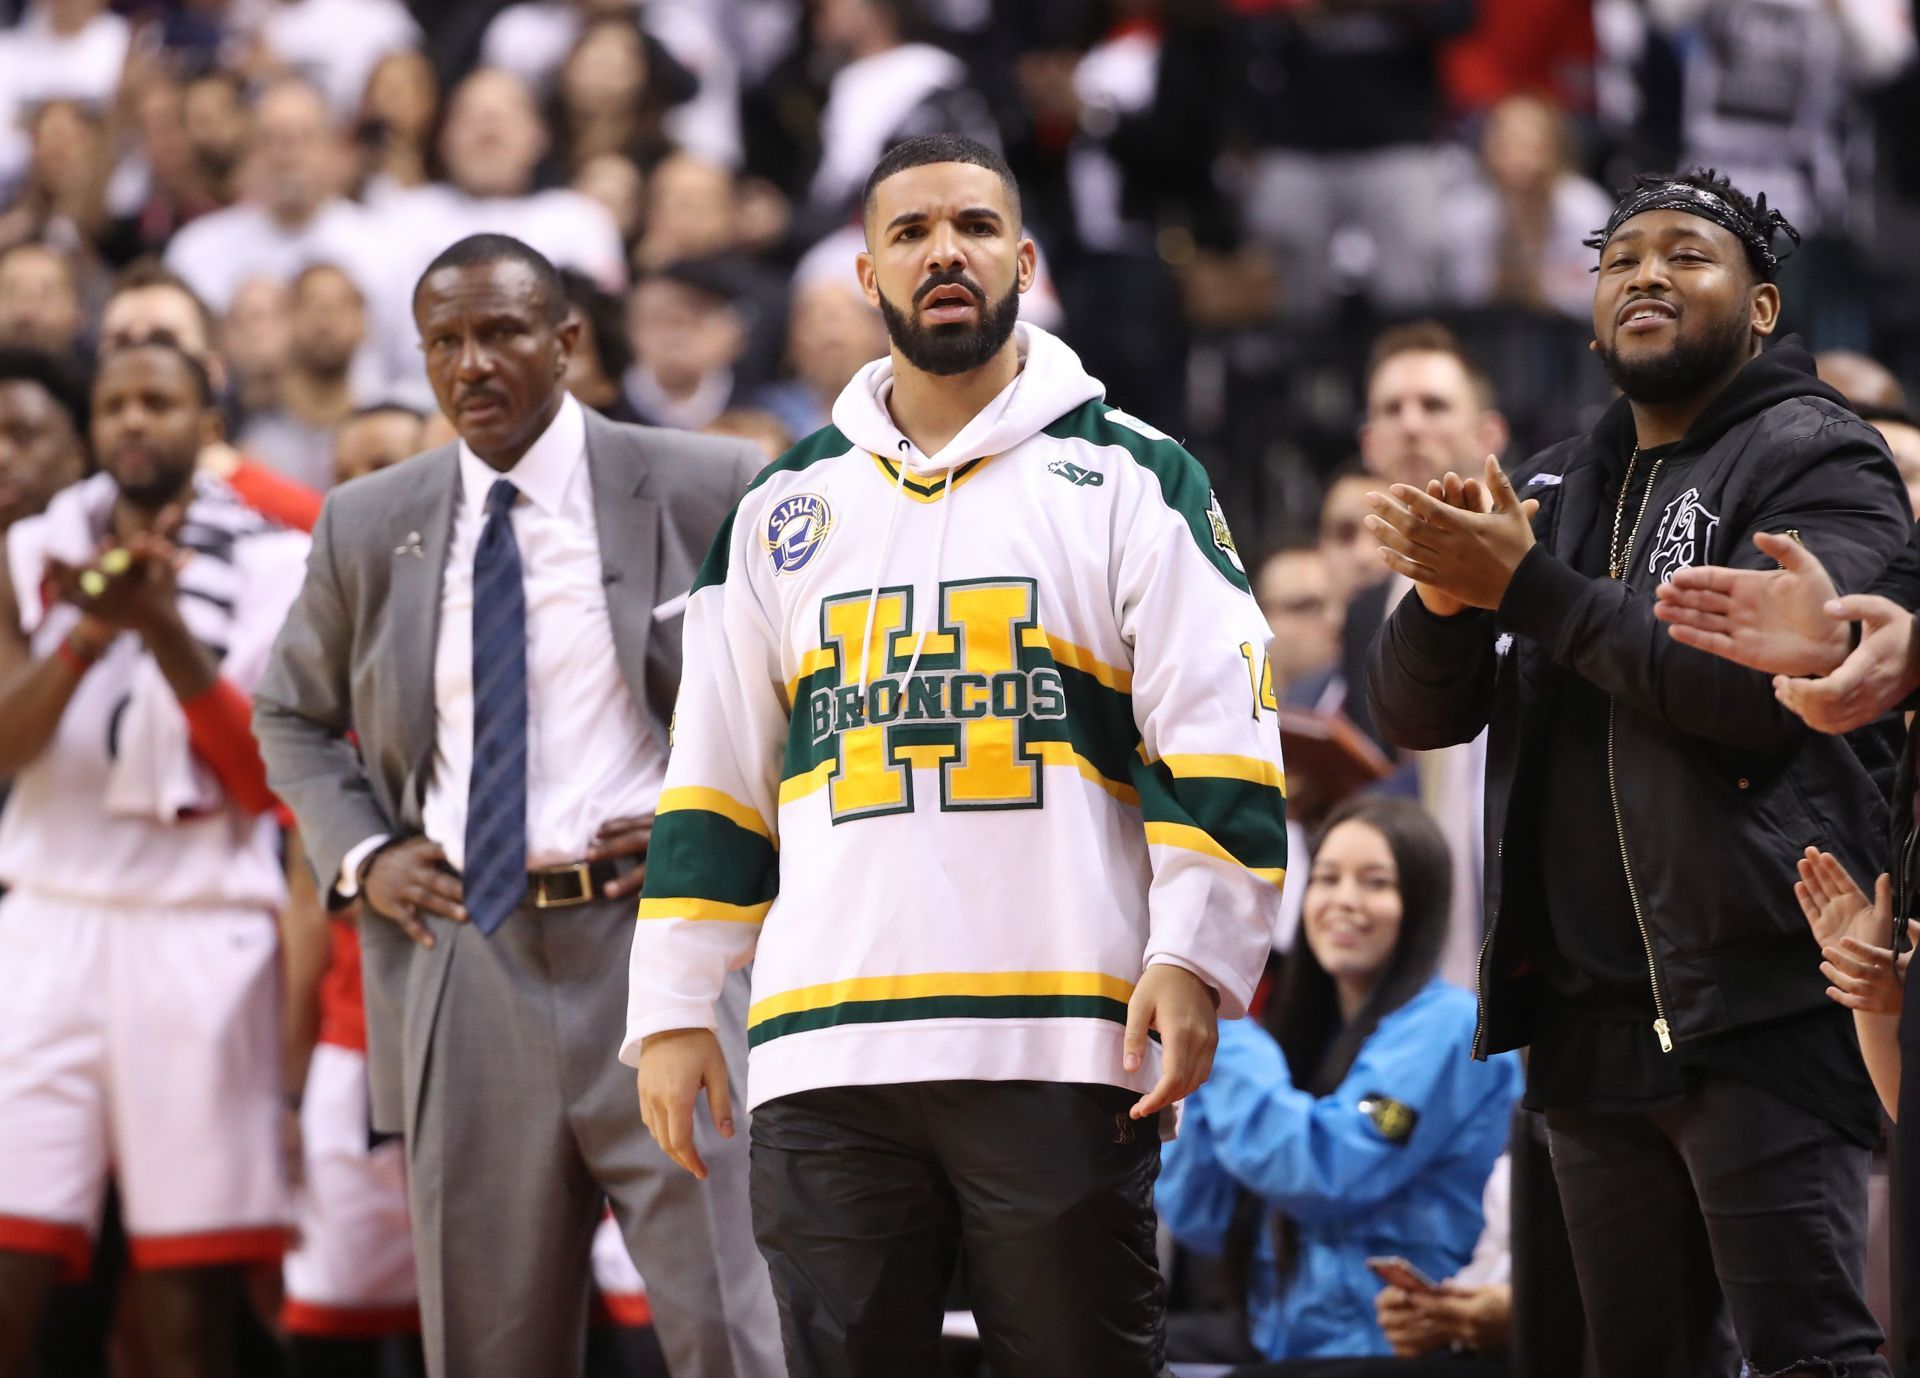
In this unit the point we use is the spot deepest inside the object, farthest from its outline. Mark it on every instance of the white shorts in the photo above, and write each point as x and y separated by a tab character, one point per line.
351	1275
147	1045
622	1296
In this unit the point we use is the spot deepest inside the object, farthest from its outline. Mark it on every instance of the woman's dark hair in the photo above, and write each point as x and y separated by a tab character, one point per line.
1303	1012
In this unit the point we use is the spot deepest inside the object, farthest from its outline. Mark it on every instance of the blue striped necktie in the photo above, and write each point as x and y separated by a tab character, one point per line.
495	880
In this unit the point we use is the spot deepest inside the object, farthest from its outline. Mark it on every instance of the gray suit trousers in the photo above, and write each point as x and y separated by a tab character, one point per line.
524	1121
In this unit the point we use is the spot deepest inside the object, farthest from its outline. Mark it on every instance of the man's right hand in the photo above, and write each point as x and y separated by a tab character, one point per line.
674	1065
1469	495
409	878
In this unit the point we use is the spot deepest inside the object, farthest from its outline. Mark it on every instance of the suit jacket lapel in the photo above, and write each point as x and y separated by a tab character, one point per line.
627	522
423	530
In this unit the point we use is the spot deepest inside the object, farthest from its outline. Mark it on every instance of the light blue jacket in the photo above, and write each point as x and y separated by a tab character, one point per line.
1347	1167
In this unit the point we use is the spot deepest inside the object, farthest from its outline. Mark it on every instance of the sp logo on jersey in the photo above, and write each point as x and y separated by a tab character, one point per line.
1074	474
797	529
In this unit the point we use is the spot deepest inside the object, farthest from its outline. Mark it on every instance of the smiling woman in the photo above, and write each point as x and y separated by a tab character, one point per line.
1354	1123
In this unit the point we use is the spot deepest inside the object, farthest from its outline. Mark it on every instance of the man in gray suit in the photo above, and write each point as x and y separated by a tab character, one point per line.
497	622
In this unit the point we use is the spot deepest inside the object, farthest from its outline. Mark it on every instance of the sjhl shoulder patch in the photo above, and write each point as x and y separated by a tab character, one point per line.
1394	1119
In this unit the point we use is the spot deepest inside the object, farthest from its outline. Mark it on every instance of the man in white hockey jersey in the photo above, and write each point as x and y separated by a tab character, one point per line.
976	759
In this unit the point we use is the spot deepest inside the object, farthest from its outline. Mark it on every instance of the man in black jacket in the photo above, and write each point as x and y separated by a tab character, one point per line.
1646	804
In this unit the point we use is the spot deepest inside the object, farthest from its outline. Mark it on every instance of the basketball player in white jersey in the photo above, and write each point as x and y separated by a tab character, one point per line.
137	937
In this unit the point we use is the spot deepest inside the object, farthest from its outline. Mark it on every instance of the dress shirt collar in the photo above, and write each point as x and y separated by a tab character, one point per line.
544	471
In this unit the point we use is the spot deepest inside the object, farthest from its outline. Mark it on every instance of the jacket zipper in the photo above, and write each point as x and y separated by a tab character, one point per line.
1661	1030
1486	943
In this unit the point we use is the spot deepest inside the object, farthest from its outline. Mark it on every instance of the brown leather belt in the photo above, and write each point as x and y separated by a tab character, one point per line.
561	887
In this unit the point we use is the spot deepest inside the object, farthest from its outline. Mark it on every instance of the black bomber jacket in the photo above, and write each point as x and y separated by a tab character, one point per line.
1715	788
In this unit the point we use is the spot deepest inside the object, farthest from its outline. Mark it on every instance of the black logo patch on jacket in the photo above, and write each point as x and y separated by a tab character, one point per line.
1394	1119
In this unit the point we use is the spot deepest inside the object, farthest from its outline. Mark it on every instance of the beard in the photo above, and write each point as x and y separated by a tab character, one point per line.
957	346
167	485
1687	367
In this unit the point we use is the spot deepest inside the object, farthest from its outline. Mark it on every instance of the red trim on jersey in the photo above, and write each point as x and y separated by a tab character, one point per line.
348	1322
70	1245
271	495
343	1008
220	730
210	1248
631	1310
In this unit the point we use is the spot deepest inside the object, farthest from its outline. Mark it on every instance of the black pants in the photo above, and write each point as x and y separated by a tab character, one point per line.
1730	1225
864	1199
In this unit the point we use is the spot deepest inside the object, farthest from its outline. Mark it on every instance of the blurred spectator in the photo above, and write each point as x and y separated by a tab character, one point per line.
613	88
1516	47
336	44
1862	381
832	333
40	301
327	325
888	88
1298	594
1354	1123
256	335
151	302
687	334
763	428
217	118
375	438
690	213
61	50
492	143
63	196
1901	431
615	181
1516	231
1353	555
293	214
398	125
1342	103
1429	407
43	427
1770	91
532	39
603	353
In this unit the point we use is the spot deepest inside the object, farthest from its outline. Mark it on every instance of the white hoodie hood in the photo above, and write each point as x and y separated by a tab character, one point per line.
1050	384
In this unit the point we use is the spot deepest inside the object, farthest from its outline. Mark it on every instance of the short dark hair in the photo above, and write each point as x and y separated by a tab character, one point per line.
313	270
941	148
145	273
604	317
482	250
1427	337
164	343
59	379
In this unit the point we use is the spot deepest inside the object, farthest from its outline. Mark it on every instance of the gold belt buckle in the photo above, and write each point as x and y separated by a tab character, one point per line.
581	871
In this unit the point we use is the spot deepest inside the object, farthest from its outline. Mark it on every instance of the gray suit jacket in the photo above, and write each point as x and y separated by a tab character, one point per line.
356	655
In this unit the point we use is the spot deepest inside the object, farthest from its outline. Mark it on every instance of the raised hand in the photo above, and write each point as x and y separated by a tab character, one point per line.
1461	554
1876	675
1833	901
1776	620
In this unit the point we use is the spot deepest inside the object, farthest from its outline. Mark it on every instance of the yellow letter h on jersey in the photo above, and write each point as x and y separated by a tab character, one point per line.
980	677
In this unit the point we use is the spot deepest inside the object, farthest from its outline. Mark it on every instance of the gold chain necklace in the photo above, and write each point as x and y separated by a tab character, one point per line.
1616	557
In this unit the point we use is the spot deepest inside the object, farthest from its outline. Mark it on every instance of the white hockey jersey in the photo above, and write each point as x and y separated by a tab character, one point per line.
963	743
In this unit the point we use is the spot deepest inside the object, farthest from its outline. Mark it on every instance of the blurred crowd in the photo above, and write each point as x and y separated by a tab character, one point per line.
1230	196
1328	243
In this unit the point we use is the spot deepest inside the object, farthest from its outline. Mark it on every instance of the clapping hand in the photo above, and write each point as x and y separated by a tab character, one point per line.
1863	975
1459	541
1766	619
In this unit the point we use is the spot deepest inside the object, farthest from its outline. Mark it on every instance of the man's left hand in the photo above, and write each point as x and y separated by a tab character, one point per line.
1185	1011
620	837
1468	555
1876	675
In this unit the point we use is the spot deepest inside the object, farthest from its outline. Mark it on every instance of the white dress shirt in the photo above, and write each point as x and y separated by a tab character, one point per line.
589	756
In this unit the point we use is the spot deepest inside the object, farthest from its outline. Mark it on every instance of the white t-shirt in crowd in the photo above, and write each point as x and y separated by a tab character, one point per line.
38	65
218	253
337	43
